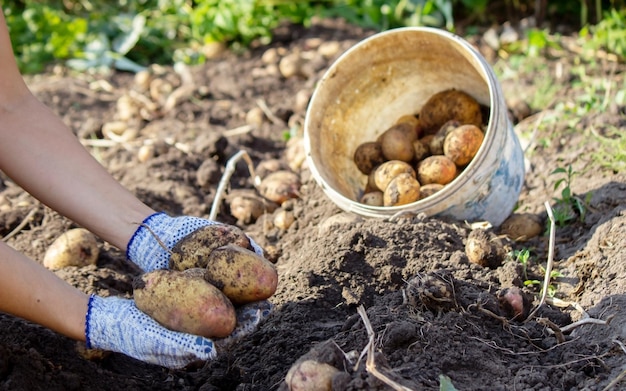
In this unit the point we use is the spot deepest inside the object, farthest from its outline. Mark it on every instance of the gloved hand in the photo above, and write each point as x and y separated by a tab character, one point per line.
117	325
146	252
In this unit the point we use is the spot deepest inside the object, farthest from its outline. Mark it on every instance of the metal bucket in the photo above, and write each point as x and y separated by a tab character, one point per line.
391	74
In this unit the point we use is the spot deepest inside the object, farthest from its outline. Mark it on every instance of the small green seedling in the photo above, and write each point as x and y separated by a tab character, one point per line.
568	207
552	288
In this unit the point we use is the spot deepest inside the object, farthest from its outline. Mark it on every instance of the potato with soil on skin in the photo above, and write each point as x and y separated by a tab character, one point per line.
484	248
462	144
194	249
402	190
439	138
75	247
397	142
436	169
514	303
429	189
389	170
373	198
184	302
413	121
280	186
449	105
242	275
310	375
368	155
522	226
248	206
421	150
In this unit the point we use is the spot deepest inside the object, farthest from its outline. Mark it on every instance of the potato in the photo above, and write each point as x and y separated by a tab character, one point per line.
421	150
373	198
242	275
436	169
439	138
194	249
397	142
514	303
402	190
484	248
310	375
248	206
447	105
389	170
429	189
75	247
367	156
371	182
185	303
522	226
280	186
462	144
283	219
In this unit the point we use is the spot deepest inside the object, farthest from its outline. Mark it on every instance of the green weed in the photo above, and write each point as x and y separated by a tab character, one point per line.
568	207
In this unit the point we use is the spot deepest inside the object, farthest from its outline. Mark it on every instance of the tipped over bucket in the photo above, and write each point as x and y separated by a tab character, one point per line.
394	73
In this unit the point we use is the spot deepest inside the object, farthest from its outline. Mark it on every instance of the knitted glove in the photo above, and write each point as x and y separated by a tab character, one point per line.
249	316
117	325
146	252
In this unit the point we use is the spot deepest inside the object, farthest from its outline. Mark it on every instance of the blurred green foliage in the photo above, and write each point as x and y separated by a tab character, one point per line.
129	34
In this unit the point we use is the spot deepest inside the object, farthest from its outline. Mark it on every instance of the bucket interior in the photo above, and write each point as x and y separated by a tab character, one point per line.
372	85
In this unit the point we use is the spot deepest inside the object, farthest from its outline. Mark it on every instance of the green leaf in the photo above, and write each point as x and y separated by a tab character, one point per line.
445	384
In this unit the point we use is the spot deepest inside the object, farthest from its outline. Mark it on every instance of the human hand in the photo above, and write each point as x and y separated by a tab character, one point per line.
145	250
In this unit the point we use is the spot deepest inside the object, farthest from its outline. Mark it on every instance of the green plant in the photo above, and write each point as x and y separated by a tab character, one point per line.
523	257
608	34
552	288
568	207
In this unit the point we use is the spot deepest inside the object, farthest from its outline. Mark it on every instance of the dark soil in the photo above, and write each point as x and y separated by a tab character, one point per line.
331	262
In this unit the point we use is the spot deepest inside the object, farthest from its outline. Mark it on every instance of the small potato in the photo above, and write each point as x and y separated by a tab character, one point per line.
310	375
373	198
439	138
429	189
194	249
462	144
248	206
283	219
76	247
371	182
447	105
185	303
421	150
397	142
402	190
514	303
436	169
367	156
522	226
413	121
280	186
389	170
484	248
242	275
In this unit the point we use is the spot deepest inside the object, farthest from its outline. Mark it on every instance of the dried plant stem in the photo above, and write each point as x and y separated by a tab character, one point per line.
549	264
228	172
22	224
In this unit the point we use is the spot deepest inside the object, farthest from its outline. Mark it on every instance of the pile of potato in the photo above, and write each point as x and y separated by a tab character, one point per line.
212	270
420	154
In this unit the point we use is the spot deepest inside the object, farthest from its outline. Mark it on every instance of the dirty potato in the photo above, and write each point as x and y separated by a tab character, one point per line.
76	247
368	155
372	198
402	190
429	189
449	105
421	150
484	248
194	249
397	142
389	170
280	186
242	275
310	375
436	169
413	121
522	226
462	143
248	206
184	302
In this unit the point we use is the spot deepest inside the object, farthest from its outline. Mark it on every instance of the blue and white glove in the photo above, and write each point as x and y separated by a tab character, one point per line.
117	325
146	252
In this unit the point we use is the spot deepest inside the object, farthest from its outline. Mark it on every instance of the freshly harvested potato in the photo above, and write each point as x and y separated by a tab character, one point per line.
429	189
436	169
194	249
413	121
373	198
76	247
447	105
514	303
248	206
439	138
484	248
462	144
389	170
522	226
280	186
371	182
241	274
185	303
402	190
397	142
283	219
421	150
368	155
310	375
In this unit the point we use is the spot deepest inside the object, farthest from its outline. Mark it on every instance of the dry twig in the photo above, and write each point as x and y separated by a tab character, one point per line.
22	224
549	264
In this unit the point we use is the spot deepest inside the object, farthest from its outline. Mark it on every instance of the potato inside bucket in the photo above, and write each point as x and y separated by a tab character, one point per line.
377	81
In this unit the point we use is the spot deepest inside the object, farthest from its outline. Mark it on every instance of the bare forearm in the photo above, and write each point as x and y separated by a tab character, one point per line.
31	292
44	157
